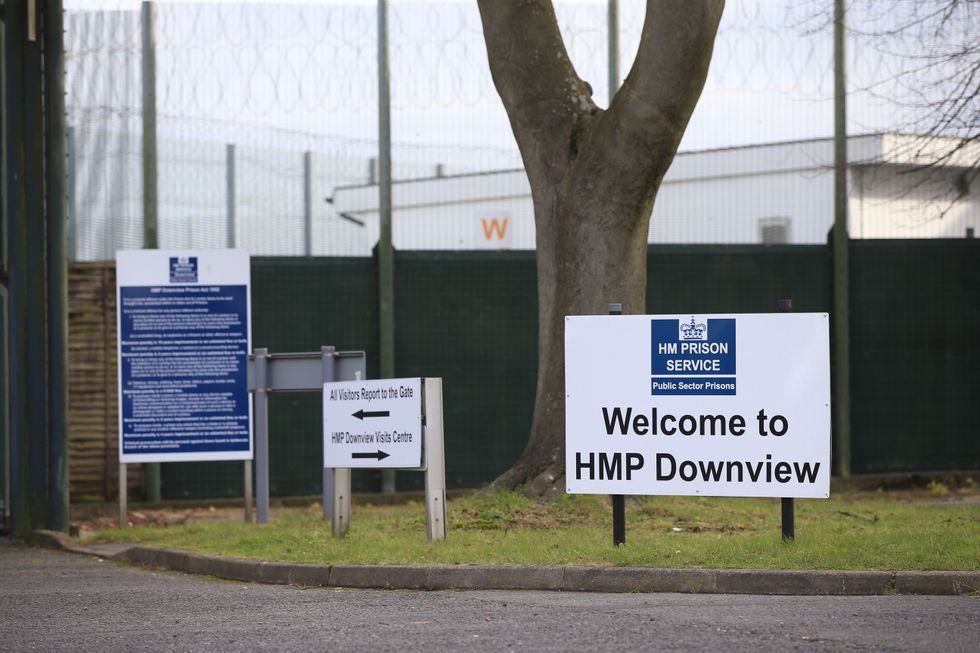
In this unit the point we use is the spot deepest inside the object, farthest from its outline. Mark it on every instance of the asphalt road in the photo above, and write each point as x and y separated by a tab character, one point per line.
58	601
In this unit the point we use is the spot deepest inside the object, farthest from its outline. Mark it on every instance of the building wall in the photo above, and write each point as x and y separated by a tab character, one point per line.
890	201
708	197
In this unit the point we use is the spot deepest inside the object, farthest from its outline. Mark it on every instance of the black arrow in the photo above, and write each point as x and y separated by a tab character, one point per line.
361	414
380	455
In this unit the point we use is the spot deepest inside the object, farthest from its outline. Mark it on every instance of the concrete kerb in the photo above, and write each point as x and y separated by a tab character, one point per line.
937	582
570	579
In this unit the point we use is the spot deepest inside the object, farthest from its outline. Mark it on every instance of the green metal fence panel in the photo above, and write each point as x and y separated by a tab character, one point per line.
915	363
737	278
471	318
298	304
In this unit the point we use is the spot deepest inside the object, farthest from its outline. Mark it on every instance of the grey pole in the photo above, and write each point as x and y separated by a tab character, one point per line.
230	197
386	279
613	58
261	435
329	374
122	496
148	38
150	220
308	203
231	235
842	337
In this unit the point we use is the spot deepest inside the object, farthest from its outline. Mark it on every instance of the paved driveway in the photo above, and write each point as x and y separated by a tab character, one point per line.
57	601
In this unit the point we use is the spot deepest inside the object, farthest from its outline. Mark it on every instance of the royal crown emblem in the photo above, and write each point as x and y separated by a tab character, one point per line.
694	330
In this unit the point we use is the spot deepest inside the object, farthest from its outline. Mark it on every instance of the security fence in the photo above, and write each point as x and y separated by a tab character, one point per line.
471	318
234	123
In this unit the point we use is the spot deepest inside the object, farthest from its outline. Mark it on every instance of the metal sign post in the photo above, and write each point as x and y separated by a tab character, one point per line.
292	372
788	508
435	461
618	500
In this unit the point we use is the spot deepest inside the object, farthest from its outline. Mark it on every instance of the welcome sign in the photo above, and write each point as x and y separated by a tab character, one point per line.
710	405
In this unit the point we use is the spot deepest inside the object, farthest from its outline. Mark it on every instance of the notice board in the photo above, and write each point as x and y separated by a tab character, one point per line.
184	338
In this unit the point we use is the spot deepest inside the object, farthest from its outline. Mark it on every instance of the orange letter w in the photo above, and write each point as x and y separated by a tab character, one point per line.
494	226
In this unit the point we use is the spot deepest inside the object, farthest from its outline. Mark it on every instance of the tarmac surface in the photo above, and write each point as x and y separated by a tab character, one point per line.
53	600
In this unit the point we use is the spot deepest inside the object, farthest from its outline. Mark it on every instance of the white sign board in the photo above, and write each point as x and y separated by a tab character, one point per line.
709	405
183	320
374	423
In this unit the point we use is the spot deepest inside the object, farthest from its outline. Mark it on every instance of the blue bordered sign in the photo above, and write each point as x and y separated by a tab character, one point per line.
184	338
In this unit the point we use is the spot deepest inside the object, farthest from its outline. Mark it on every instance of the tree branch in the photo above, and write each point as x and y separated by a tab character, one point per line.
658	96
543	95
639	134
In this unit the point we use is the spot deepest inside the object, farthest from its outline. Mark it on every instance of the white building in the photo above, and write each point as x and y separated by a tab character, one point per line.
777	193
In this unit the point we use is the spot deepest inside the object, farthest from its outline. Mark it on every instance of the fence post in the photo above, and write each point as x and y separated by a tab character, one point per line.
57	254
230	198
308	203
386	278
71	159
612	16
150	217
842	337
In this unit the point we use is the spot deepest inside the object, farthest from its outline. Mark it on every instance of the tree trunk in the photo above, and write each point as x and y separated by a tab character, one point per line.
594	175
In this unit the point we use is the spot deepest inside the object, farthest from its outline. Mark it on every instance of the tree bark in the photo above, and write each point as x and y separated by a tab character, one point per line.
594	175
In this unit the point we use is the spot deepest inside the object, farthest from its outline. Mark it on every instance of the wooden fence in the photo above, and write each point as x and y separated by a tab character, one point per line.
92	385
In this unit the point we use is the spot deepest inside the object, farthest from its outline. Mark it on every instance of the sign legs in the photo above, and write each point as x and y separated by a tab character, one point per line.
435	461
247	471
341	501
262	435
122	495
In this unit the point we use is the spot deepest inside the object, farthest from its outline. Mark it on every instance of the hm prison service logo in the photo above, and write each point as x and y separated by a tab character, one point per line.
183	269
695	357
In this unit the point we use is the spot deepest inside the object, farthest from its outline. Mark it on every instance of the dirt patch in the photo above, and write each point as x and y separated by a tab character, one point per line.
162	518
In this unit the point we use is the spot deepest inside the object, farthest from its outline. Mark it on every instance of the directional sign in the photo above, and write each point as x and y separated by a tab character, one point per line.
376	423
709	405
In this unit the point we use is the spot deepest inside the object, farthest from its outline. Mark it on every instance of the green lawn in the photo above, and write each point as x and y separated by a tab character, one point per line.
887	531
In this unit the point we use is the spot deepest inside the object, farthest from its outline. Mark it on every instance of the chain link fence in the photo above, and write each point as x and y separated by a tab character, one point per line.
267	117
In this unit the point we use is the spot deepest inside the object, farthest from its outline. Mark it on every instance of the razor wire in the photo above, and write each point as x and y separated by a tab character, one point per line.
279	80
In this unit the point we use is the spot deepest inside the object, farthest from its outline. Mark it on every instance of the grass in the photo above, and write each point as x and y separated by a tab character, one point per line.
885	531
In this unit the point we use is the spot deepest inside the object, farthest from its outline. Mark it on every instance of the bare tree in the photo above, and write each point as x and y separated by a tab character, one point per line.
594	175
919	60
933	74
